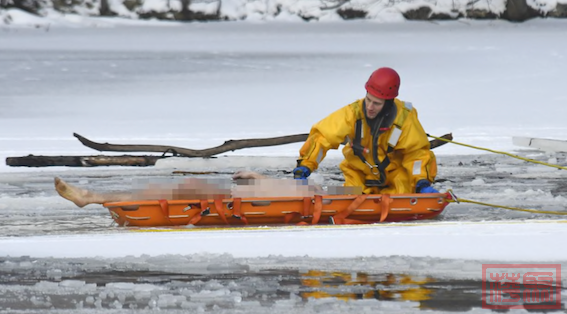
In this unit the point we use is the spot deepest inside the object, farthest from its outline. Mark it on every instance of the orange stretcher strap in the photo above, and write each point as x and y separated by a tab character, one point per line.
237	210
306	207
204	212
385	202
317	209
306	211
164	206
340	218
314	214
220	210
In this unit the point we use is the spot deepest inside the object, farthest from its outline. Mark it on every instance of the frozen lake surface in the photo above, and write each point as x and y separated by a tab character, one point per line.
118	274
31	206
197	85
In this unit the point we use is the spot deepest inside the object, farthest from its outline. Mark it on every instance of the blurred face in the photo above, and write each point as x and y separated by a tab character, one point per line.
373	105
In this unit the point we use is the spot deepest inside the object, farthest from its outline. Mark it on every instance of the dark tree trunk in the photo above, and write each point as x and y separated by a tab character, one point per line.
229	145
105	9
519	11
185	12
81	161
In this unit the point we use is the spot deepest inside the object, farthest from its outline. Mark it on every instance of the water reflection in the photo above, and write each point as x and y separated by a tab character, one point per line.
36	284
428	293
356	285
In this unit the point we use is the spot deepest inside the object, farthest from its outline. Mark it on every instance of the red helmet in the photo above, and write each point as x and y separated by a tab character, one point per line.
384	83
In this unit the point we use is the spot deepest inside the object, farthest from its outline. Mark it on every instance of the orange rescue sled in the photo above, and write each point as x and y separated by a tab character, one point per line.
329	209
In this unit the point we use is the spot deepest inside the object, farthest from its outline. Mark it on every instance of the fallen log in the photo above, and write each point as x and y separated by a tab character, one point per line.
144	161
82	161
229	145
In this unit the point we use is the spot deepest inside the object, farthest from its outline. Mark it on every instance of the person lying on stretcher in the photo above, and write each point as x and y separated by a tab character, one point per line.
245	184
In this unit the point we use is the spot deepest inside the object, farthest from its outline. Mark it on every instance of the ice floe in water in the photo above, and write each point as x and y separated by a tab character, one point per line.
223	284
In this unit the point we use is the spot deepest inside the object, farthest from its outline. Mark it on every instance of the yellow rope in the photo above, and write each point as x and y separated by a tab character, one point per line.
498	152
507	207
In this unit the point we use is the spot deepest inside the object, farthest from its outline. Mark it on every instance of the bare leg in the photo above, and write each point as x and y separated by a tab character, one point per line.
83	197
190	189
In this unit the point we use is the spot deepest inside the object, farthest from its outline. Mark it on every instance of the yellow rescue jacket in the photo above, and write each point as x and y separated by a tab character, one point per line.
404	143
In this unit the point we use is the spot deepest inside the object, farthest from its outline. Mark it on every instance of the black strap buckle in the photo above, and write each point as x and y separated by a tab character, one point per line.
375	183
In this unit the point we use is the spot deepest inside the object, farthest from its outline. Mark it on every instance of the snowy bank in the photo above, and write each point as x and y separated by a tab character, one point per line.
38	12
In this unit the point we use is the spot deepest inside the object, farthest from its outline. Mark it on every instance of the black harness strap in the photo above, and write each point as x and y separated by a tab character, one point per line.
358	149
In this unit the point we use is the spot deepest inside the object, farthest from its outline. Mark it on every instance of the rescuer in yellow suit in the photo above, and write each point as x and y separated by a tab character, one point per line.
386	149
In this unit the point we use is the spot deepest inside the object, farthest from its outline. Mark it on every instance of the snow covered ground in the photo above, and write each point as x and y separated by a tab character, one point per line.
197	85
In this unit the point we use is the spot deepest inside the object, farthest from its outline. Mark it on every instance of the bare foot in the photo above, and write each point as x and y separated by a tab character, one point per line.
72	193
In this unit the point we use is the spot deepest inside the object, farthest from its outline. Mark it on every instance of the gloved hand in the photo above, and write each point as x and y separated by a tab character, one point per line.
423	186
301	172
